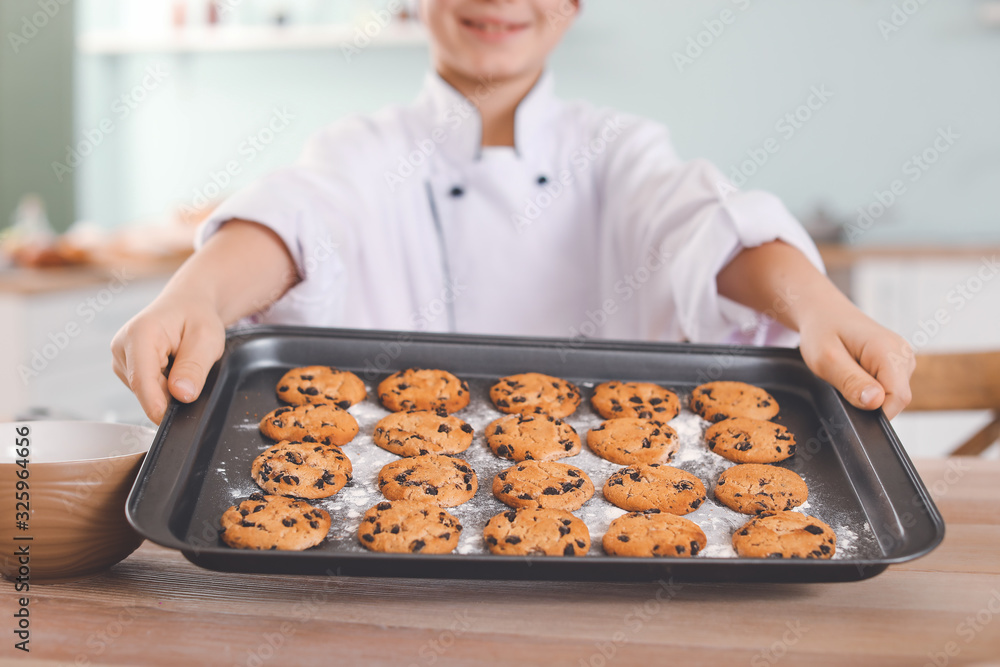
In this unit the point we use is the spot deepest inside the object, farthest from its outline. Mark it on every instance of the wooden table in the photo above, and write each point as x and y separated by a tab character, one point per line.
156	608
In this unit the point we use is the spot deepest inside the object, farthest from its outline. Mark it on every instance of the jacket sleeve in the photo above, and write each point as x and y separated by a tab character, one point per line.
672	226
313	207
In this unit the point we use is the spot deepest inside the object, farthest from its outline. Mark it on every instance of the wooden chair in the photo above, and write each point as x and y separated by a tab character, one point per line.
965	381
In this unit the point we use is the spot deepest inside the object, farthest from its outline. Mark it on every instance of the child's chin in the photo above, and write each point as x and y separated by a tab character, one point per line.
496	69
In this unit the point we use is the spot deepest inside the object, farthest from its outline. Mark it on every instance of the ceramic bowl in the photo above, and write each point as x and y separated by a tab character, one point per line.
63	486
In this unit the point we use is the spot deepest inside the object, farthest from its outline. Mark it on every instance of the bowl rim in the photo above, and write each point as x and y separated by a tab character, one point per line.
148	432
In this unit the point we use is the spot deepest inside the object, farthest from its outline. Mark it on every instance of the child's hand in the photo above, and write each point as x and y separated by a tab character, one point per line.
870	365
242	269
179	327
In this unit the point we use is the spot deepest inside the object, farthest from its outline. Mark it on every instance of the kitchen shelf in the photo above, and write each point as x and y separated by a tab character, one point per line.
230	39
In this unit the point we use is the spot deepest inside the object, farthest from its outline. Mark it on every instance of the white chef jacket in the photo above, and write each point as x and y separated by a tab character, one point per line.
591	226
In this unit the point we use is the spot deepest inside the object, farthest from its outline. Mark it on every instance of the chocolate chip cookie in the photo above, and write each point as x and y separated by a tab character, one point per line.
422	432
785	535
423	389
635	399
314	422
274	522
653	486
752	488
544	484
534	392
533	437
745	440
321	384
438	479
302	469
536	532
654	534
631	440
716	401
409	526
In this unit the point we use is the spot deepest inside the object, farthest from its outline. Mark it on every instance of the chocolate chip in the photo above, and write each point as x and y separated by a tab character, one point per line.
384	506
569	550
417	545
444	428
815	530
694	548
466	428
550	491
368	538
623	538
510	516
512	539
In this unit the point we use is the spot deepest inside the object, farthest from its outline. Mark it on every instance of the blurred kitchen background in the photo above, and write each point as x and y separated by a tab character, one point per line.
123	121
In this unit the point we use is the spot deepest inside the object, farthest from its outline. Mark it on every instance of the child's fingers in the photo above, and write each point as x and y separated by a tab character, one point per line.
893	370
836	365
143	373
200	347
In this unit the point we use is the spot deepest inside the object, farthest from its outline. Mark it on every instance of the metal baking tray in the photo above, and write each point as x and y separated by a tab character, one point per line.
861	481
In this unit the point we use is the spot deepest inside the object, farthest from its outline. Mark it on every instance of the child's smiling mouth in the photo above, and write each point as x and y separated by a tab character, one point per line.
491	29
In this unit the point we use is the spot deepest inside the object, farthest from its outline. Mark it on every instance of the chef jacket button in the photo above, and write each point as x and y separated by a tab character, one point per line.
542	180
457	191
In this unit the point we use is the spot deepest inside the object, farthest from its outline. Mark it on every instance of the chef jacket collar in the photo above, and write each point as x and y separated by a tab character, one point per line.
457	124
